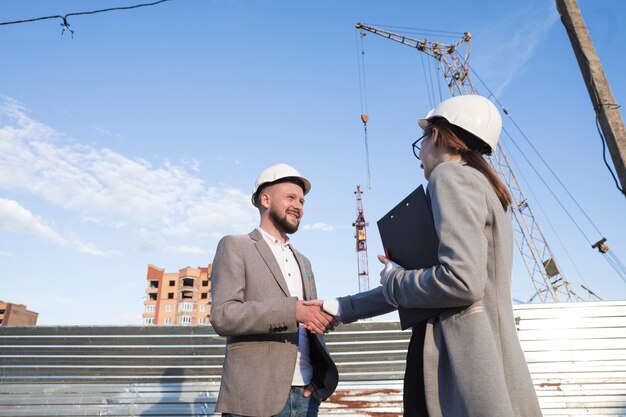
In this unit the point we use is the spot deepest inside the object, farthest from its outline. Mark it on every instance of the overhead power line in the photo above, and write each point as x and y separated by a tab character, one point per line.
65	23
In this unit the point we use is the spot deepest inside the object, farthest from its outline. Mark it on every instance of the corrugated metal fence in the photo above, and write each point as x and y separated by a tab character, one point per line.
576	353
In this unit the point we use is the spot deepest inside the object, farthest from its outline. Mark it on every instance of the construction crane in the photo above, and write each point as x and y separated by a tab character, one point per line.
453	59
361	242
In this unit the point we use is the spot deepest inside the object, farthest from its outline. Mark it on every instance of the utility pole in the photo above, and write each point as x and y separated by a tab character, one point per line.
607	111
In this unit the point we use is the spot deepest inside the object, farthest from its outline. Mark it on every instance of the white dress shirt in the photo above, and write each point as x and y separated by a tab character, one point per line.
291	272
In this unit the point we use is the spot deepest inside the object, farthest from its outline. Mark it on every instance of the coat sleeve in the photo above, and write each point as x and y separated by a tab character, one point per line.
231	313
460	214
364	305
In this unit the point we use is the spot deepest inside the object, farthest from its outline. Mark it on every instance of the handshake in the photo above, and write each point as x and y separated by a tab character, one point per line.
313	317
319	321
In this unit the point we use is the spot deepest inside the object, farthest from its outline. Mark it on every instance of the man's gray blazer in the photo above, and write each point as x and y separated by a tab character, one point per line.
251	305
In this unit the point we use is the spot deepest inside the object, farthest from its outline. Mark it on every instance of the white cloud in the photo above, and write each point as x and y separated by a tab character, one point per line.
15	218
319	226
153	203
505	51
107	133
188	249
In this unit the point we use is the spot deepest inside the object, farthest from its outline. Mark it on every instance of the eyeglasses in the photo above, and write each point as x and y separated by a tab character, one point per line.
416	147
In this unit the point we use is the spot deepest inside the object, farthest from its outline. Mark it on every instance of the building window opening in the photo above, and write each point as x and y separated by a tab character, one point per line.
205	283
154	284
187	295
204	296
170	295
152	297
188	307
172	283
187	282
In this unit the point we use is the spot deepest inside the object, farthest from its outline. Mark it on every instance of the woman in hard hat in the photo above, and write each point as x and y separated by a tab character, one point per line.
466	359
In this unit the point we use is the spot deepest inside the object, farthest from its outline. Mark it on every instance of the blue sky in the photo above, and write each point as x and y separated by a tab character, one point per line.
139	140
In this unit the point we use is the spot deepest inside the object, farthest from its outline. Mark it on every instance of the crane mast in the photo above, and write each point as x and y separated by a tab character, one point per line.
549	282
361	242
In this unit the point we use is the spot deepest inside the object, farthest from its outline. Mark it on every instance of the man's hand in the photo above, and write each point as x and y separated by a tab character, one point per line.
313	318
311	390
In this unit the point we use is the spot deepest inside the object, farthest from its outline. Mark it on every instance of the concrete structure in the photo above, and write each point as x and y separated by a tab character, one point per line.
16	315
178	298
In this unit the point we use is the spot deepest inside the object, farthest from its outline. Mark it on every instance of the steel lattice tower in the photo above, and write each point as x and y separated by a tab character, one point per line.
549	283
361	242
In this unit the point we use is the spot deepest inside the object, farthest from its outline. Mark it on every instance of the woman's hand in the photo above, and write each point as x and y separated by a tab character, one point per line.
386	262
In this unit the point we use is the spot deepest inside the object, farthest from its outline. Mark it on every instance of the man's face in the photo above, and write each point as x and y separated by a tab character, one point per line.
286	206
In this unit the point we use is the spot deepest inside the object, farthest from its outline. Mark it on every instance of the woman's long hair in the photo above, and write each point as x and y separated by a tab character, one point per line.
471	150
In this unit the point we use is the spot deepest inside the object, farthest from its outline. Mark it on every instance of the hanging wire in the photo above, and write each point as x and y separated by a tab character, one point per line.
430	100
439	84
546	185
426	32
614	261
592	87
604	155
367	159
65	24
363	95
537	201
539	155
358	66
432	84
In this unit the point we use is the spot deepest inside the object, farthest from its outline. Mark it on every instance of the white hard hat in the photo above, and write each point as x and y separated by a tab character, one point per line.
276	173
473	113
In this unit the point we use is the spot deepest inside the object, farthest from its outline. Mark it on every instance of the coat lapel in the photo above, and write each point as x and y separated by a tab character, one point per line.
270	260
306	274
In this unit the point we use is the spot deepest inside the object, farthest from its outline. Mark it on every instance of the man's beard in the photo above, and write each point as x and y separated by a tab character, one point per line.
282	223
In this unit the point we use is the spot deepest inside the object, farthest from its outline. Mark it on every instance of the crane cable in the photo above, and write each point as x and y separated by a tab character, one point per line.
360	52
506	112
611	258
547	218
430	99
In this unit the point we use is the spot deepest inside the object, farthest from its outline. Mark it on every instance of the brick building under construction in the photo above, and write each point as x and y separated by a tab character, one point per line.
16	315
178	298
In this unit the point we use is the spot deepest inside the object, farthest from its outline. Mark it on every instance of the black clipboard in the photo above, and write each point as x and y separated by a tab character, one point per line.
410	240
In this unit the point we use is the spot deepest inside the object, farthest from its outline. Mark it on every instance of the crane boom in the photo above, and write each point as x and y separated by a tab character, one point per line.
549	282
453	65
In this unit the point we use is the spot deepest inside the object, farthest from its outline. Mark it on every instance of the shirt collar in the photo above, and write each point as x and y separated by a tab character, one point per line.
271	239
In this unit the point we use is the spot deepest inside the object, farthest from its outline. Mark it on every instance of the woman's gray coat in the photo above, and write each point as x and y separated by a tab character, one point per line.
473	362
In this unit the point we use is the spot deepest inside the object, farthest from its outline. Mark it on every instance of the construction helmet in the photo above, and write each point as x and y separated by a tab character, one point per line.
275	174
472	113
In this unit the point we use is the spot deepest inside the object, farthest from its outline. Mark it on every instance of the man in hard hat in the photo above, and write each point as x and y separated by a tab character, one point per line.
260	284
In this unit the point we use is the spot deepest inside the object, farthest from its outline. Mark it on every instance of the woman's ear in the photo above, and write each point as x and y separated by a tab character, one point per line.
435	136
